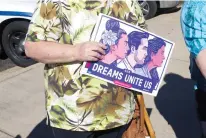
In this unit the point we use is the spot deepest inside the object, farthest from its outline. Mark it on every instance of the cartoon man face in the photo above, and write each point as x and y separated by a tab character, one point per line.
141	51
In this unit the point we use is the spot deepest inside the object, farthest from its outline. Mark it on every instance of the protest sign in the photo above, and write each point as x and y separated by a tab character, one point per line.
135	58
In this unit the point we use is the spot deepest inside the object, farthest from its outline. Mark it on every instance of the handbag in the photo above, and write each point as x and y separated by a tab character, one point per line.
137	127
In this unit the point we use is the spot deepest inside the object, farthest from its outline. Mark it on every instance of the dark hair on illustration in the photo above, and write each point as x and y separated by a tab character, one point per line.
114	26
134	39
154	75
153	46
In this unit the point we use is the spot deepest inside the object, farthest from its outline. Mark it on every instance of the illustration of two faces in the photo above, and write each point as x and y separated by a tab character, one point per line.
133	51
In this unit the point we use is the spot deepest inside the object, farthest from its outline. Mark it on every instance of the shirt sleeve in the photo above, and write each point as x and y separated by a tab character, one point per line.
134	14
45	24
193	24
203	28
139	14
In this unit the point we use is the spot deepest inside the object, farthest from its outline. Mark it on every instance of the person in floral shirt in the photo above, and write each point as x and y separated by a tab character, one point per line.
79	106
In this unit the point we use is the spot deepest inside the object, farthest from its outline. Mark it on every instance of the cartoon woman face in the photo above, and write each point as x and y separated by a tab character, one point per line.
122	47
158	58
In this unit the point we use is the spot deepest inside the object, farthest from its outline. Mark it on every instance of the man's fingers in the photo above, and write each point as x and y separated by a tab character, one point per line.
102	46
99	50
95	50
95	54
93	59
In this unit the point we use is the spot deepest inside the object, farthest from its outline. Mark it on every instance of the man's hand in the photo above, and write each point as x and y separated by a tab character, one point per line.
201	62
89	51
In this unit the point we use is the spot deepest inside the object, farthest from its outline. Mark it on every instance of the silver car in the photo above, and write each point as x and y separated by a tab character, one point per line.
150	7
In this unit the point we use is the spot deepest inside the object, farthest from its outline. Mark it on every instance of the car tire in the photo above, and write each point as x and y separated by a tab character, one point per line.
12	40
149	8
2	53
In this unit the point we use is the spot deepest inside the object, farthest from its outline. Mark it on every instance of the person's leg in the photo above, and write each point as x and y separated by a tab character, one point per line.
111	133
201	109
200	94
61	133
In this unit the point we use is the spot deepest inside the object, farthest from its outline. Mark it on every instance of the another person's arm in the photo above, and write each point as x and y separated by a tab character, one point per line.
201	55
201	62
193	28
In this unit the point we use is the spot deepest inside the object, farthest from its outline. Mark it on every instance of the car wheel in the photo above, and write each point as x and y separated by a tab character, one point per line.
2	53
12	40
149	8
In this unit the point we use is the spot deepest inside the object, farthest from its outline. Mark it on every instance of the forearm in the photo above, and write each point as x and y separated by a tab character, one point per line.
50	52
201	62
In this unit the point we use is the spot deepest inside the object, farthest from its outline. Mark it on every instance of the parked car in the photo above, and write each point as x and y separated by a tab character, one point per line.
150	8
15	16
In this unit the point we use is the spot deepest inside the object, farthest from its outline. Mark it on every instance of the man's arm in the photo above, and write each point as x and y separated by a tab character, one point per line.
201	62
43	39
52	52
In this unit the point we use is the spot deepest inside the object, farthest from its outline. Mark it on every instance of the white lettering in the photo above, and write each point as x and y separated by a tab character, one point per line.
109	73
100	69
120	76
126	78
105	71
133	80
95	67
115	74
140	82
147	84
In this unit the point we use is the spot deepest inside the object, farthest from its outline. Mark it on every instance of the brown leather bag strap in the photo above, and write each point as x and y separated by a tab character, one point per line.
140	99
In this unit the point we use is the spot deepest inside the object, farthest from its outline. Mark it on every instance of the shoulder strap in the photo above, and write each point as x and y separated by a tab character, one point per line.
141	105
